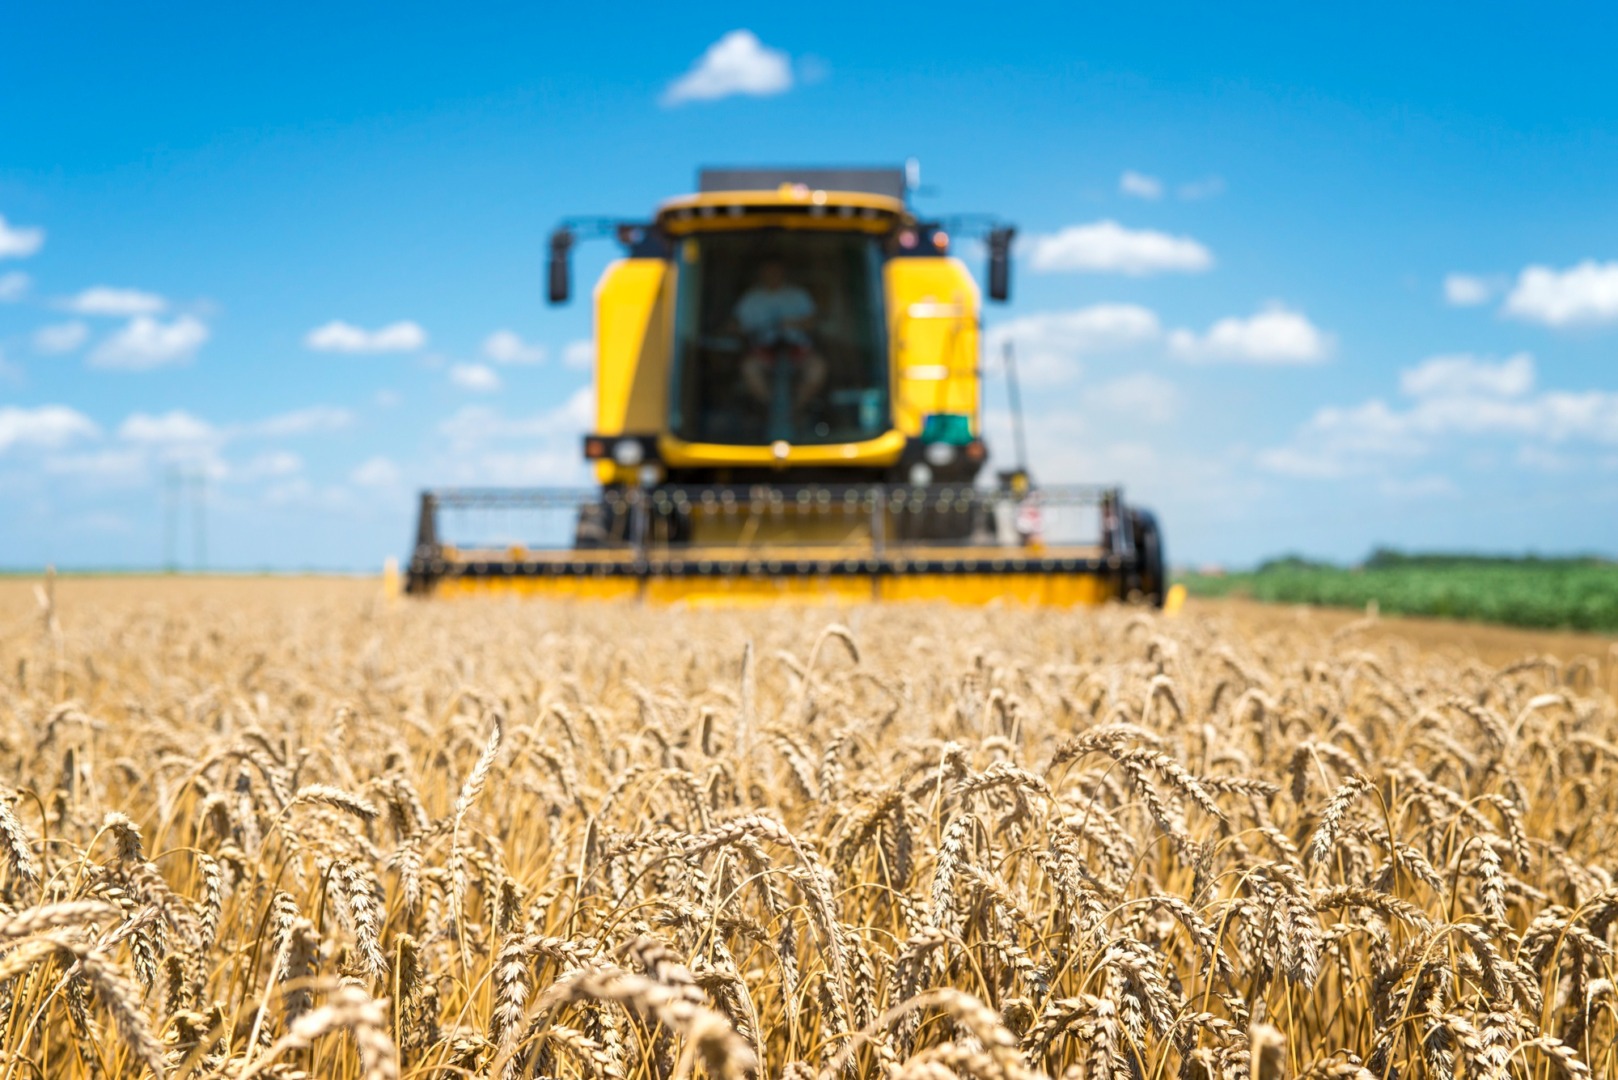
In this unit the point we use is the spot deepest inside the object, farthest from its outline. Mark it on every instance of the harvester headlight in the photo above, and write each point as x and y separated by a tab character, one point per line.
939	454
628	452
921	474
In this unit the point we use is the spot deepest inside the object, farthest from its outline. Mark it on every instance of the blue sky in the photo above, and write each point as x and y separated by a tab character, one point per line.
1301	280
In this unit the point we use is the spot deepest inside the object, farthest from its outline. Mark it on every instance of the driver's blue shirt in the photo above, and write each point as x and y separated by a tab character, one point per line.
763	312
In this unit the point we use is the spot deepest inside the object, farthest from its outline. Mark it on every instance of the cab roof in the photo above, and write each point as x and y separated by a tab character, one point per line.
870	200
706	204
890	183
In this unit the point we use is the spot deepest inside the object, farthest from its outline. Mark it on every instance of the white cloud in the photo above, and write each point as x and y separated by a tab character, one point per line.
1142	396
1108	247
1275	335
45	427
339	336
1453	397
180	428
1462	374
547	450
175	427
579	354
271	465
505	347
107	300
737	63
17	242
1581	295
104	523
1544	459
1304	464
1469	290
1207	188
478	378
115	465
376	472
60	338
387	399
145	343
474	424
1555	416
1070	441
14	286
1145	186
1050	345
548	467
480	423
1368	428
146	440
315	418
1140	185
578	412
813	69
298	492
1419	488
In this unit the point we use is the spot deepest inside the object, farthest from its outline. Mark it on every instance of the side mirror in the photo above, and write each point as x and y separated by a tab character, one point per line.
560	276
1000	262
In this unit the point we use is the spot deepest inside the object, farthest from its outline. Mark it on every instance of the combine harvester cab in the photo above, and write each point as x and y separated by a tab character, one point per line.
788	405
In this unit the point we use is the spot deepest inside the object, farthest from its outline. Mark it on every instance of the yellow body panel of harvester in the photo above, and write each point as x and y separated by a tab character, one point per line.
1022	590
633	302
795	543
933	315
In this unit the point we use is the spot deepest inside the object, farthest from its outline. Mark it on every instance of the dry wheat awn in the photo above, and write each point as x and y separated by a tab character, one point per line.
332	838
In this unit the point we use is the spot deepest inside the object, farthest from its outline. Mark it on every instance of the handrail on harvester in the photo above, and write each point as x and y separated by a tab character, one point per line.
1052	495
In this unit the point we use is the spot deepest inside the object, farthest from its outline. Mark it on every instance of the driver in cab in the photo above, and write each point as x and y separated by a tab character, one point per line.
775	316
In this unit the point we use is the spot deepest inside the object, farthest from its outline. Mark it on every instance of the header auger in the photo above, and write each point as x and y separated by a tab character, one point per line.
788	404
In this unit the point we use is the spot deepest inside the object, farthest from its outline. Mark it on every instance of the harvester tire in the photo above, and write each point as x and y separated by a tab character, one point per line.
1151	579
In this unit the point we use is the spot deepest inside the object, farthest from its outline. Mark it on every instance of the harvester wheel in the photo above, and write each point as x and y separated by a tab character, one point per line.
1151	579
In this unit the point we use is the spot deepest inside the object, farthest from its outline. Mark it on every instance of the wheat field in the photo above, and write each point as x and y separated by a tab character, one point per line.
294	832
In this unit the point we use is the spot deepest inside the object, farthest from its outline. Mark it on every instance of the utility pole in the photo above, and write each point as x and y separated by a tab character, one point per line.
171	519
1014	392
199	518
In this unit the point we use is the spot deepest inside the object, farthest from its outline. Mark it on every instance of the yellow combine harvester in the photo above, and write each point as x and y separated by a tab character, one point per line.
788	404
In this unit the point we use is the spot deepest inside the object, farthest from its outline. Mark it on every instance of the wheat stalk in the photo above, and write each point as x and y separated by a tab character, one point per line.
1000	845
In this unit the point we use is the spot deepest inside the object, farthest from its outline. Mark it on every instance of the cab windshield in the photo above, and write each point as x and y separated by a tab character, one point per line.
779	336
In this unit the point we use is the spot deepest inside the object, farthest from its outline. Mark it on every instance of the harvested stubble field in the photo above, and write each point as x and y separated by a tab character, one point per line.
288	829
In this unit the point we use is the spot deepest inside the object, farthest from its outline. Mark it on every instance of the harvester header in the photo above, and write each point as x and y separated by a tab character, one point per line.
789	403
